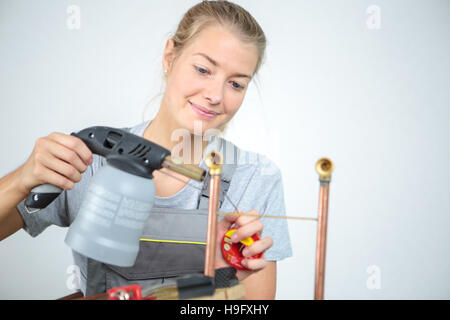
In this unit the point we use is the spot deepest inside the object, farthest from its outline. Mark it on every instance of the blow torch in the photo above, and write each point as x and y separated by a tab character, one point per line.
119	198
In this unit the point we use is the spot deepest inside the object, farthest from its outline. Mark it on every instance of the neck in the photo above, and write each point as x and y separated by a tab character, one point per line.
164	131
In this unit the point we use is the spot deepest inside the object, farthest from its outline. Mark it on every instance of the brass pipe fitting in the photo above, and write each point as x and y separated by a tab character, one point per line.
324	168
214	162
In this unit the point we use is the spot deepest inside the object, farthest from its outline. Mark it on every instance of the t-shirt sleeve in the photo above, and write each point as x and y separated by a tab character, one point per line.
274	205
54	214
264	193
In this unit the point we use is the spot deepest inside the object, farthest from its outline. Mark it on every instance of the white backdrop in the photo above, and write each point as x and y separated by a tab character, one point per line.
365	83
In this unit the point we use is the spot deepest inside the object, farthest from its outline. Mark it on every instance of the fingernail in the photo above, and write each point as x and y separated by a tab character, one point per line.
234	237
244	262
245	252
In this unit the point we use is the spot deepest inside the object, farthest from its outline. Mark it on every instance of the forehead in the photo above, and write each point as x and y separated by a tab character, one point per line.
224	47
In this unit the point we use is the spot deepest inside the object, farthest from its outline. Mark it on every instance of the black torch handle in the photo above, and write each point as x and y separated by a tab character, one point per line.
41	196
123	150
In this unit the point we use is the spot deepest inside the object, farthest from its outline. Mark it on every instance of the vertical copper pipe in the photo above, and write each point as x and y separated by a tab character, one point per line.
211	234
214	162
321	241
324	167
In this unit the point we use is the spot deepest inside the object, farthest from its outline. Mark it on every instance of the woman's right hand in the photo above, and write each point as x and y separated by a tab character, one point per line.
58	159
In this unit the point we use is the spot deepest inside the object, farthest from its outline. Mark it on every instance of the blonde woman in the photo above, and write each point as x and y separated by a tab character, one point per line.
208	65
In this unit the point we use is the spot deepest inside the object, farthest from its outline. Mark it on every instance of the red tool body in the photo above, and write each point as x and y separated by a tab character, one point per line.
232	252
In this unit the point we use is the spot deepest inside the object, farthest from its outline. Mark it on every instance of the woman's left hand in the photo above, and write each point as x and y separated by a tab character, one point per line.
246	227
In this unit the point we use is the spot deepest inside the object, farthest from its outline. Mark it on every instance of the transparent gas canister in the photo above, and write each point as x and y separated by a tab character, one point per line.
112	217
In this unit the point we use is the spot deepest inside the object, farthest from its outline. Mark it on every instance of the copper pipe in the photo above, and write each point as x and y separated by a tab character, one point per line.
324	167
214	162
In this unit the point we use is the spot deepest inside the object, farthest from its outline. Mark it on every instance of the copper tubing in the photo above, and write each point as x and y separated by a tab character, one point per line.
211	234
324	167
188	170
321	242
214	162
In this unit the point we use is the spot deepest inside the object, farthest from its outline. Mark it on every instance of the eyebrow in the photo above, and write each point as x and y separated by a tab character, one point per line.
215	63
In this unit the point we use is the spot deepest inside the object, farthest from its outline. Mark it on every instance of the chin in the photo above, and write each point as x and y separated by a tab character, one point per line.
196	125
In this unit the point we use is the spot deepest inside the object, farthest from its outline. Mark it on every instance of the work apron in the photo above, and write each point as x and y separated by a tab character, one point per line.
172	245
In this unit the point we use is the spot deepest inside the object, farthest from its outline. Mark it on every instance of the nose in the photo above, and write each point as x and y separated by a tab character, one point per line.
213	92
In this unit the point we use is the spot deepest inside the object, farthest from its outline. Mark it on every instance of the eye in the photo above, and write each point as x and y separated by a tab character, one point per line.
201	70
236	85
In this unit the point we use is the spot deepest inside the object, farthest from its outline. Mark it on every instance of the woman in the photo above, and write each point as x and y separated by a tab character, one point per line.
208	65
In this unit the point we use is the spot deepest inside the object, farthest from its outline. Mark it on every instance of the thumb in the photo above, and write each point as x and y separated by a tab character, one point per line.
229	219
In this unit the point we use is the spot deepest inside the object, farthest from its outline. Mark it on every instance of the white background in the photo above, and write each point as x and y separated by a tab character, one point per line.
372	97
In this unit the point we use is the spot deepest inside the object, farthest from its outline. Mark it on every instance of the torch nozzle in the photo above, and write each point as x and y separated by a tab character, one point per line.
188	170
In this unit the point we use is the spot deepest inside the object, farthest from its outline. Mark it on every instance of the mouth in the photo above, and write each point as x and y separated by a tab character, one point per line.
203	112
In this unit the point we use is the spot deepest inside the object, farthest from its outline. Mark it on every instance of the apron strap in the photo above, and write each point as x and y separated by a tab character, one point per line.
228	169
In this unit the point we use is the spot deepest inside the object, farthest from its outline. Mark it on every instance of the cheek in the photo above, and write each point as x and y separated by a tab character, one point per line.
183	86
232	103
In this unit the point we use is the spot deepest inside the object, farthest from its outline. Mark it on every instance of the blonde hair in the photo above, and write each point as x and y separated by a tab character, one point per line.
223	13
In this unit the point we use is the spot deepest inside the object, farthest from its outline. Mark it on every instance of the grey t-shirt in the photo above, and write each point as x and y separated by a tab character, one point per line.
256	184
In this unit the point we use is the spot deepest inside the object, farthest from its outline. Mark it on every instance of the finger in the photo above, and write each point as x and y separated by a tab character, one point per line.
68	155
242	220
258	247
60	167
247	230
229	220
75	144
254	264
47	175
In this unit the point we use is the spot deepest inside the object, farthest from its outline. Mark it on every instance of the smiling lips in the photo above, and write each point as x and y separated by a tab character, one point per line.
203	112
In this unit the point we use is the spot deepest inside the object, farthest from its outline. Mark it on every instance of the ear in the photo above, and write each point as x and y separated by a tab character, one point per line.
168	55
